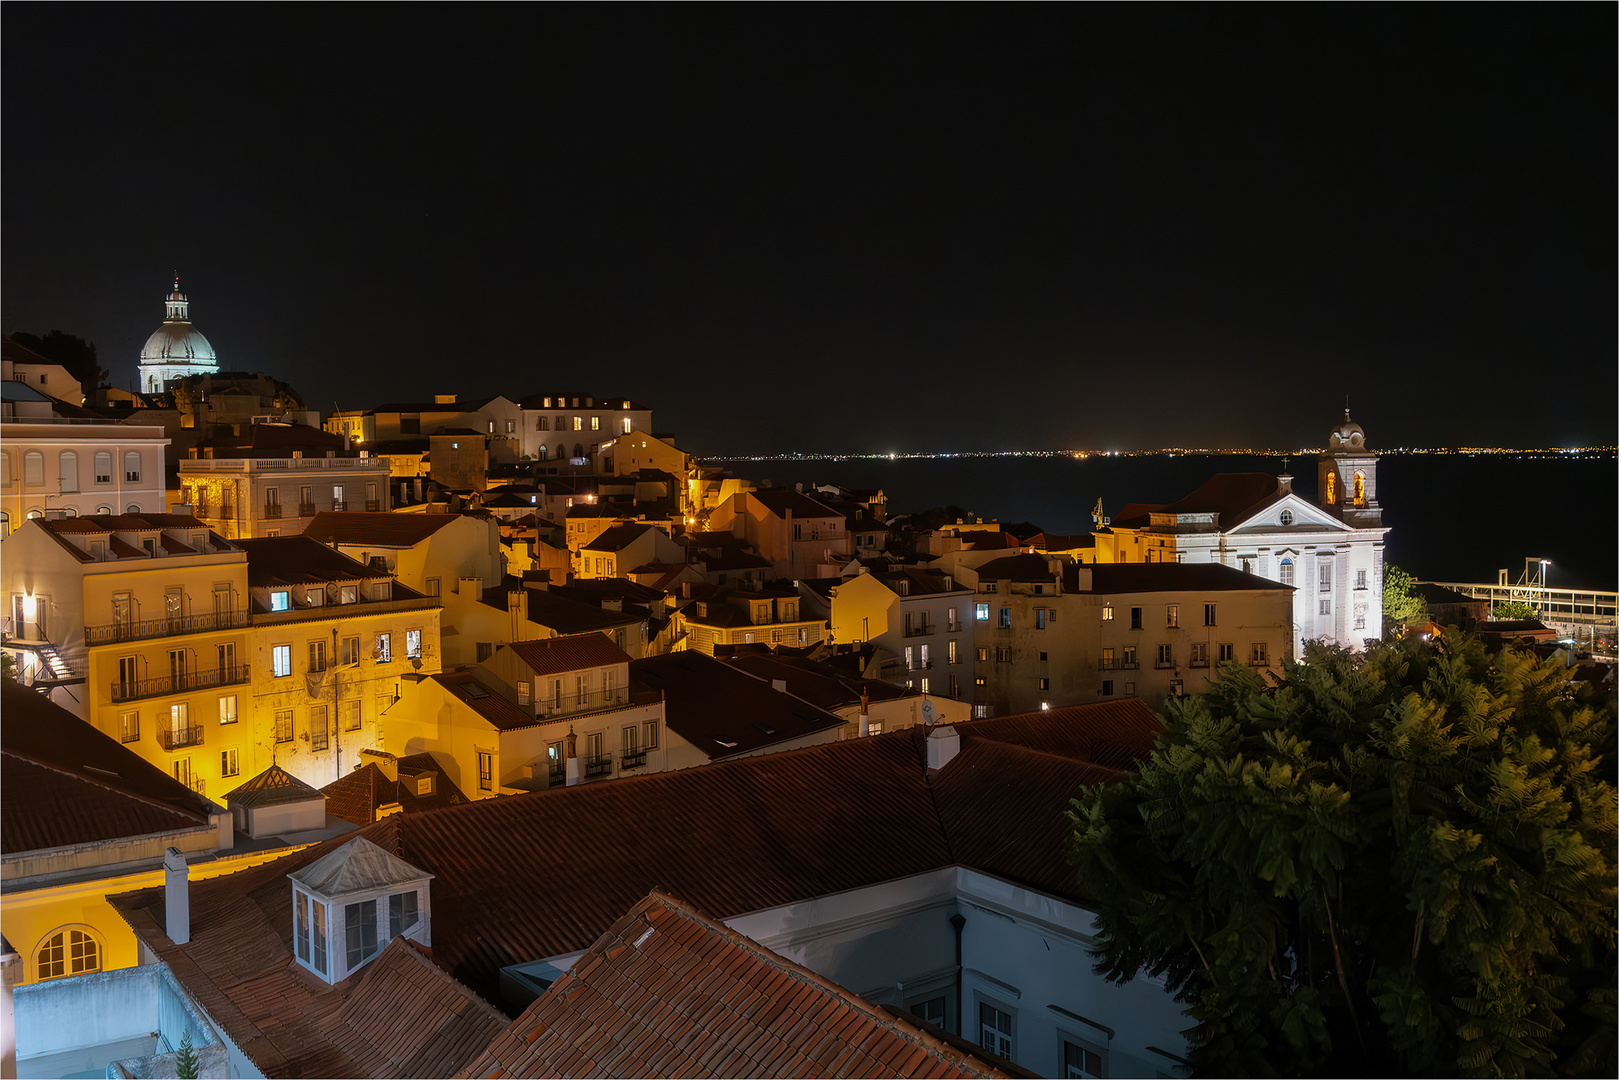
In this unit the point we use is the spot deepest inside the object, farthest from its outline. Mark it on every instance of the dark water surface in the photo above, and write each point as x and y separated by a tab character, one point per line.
1452	517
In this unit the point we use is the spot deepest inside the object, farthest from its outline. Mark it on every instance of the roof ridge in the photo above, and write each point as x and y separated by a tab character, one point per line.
98	781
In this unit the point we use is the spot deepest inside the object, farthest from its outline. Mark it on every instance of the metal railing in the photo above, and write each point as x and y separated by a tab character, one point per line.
557	773
340	504
306	509
134	689
590	699
600	766
173	626
373	505
272	510
1162	664
924	630
1117	665
175	738
632	759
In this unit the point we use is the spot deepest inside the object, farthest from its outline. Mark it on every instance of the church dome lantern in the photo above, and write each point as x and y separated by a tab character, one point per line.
1348	475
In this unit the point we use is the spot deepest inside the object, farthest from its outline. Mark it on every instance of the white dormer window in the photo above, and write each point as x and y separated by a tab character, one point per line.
350	903
280	600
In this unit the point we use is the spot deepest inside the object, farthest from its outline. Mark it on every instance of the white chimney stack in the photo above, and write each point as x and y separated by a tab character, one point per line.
176	896
943	746
571	766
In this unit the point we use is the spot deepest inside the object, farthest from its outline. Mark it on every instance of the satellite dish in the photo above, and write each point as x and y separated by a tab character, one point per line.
929	715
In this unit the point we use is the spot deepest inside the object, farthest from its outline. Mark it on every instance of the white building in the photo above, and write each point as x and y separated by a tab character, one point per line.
53	466
1331	551
176	348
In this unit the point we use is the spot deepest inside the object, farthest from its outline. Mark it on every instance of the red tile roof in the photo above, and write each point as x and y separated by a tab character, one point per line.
572	653
1170	577
62	782
664	967
291	560
357	796
502	715
1234	496
274	786
379	529
722	710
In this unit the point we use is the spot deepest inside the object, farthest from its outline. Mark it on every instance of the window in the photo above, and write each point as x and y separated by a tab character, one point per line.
1247	564
402	913
1166	655
129	726
1107	612
522	692
1177	688
1128	661
432	586
1200	654
383	653
486	770
1287	517
317	656
1208	615
351	716
5	469
283	725
1003	654
1360	620
1228	651
1326	607
994	1029
1172	615
413	644
300	919
33	467
578	423
627	427
314	597
981	653
230	762
1258	653
1287	571
348	594
281	600
1135	618
68	952
132	468
1039	618
981	612
182	771
951	653
227	709
595	423
486	649
541	424
351	650
1107	660
1326	576
360	928
1360	579
281	660
67	471
1045	684
318	733
1005	622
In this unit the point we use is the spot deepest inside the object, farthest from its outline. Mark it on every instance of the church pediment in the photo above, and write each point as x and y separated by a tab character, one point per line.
1290	514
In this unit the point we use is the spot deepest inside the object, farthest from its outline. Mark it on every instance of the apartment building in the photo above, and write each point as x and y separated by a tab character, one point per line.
57	462
800	536
573	427
921	620
748	617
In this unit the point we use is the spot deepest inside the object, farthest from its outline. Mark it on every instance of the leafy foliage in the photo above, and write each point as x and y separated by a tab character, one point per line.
1401	862
1401	606
73	353
1513	609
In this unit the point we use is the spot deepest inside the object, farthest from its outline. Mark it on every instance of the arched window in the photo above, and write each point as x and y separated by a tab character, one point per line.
132	467
103	467
69	951
1287	571
132	509
1360	489
578	449
5	524
5	468
68	471
545	455
33	467
1332	488
35	514
103	509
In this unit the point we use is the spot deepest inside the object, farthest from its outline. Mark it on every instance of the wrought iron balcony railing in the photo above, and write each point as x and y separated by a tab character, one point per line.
175	738
632	759
306	509
171	626
134	689
272	510
600	766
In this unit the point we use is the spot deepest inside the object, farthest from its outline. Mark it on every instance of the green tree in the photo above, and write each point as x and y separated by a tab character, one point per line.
1396	863
1401	606
8	667
73	353
185	1062
1513	609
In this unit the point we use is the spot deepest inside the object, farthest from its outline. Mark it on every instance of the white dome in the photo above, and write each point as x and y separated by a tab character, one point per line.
177	342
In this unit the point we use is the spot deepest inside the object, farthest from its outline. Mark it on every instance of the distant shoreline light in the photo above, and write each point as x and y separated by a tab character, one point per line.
1081	455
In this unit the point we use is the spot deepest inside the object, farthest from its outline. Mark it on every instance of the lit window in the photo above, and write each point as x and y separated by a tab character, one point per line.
383	652
486	770
281	600
227	709
281	660
1172	616
129	726
68	952
981	612
413	644
230	762
1107	612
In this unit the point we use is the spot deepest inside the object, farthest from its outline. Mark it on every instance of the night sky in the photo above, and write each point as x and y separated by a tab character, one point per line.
849	227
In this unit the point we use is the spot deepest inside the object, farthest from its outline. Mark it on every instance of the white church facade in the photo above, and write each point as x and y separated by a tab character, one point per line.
1330	552
176	349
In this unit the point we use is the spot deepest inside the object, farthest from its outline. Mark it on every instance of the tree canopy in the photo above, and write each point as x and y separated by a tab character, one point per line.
1401	606
1401	862
1513	609
73	353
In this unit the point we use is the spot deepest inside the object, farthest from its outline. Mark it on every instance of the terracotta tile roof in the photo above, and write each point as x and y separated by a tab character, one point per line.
722	710
1234	496
1111	733
781	500
617	537
290	560
358	796
663	967
567	616
784	821
380	529
63	782
819	684
272	787
1169	577
572	653
502	715
1024	567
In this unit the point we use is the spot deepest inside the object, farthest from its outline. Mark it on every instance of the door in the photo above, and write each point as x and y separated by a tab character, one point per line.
174	603
178	669
123	615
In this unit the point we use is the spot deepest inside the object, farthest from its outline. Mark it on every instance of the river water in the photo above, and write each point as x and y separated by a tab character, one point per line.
1453	517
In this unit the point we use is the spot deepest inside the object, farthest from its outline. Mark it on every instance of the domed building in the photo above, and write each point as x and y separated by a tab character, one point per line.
176	348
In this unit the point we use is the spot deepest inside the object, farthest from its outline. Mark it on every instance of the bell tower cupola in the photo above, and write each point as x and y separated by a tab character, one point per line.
1348	476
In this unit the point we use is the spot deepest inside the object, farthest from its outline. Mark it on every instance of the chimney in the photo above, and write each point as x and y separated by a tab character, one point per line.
571	750
1284	483
176	896
943	746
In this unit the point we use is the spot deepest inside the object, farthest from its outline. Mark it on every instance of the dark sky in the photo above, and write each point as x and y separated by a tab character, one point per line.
852	227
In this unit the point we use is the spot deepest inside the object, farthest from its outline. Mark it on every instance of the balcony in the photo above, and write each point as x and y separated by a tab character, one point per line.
1162	665
340	504
1203	663
1258	660
373	505
557	773
135	689
173	626
272	510
632	759
924	630
306	509
1117	665
588	701
599	766
177	738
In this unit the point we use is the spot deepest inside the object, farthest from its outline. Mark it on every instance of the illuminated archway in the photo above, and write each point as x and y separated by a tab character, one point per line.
1332	488
1360	489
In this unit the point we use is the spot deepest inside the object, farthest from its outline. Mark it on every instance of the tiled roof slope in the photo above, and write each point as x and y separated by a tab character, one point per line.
819	684
733	837
567	616
292	560
377	528
572	653
668	991
357	796
1115	734
502	715
1017	568
1234	496
63	782
722	710
1169	577
272	787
